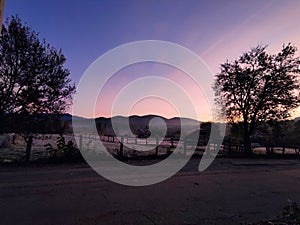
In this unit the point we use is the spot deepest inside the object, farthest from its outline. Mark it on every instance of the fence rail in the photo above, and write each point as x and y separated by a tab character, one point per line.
123	146
167	143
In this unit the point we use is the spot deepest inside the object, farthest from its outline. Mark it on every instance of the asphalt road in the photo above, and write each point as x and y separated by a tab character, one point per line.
231	191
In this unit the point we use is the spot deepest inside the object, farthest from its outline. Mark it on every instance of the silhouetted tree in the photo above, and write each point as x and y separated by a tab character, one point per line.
293	136
258	87
236	130
33	79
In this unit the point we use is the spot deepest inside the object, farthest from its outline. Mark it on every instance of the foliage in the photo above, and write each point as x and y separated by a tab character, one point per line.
293	136
258	87
63	150
236	130
33	79
101	128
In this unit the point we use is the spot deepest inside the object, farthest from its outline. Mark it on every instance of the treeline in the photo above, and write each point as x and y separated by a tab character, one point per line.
36	124
278	134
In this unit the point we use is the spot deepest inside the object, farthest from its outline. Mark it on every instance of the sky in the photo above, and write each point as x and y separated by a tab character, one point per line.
214	30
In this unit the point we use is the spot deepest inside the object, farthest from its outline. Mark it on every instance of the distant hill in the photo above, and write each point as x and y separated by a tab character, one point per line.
137	122
58	123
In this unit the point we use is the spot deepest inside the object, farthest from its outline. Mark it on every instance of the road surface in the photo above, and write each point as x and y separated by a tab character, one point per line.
231	191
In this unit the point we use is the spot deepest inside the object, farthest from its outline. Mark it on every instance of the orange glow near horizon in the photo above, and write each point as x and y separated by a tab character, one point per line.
156	105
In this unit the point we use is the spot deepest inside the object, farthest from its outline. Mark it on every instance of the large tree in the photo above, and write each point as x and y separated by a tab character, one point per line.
33	78
257	87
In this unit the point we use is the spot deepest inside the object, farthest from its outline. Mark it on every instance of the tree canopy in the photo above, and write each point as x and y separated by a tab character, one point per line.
33	78
258	87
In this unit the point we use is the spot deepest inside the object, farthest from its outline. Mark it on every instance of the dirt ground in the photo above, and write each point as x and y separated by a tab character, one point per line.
231	191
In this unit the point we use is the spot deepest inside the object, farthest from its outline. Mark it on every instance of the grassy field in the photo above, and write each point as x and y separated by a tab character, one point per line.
133	147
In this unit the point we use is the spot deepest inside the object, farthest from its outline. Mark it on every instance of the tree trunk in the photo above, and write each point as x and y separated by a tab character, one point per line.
28	148
247	139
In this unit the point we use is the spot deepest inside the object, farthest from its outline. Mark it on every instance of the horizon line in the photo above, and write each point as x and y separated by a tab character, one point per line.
144	115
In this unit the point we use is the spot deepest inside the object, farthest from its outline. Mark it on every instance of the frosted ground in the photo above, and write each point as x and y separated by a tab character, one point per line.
16	152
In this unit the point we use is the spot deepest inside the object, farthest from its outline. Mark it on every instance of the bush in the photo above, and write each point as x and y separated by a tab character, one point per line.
65	151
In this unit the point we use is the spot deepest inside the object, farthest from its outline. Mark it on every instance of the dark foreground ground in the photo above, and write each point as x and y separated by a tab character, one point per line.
231	191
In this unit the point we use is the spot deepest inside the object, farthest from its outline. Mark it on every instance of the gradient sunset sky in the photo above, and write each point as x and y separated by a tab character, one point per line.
215	30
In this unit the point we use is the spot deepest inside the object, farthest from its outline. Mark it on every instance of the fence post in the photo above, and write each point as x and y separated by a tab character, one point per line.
13	139
168	150
80	142
28	147
156	150
172	143
121	146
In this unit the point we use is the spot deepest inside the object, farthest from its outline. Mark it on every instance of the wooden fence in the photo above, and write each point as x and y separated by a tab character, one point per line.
168	143
159	148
